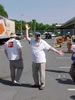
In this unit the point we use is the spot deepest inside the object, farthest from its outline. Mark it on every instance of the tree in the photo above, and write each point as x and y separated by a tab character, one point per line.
34	26
3	12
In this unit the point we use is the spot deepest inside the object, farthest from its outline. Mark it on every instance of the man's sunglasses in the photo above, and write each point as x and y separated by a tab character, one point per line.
38	35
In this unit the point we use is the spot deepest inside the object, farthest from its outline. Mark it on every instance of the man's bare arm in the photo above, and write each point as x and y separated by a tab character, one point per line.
27	35
61	53
6	53
73	51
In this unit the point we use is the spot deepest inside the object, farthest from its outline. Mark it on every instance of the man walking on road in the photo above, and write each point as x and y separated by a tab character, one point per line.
39	47
14	54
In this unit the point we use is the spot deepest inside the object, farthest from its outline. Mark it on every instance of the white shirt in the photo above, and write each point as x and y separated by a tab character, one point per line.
12	46
38	50
73	48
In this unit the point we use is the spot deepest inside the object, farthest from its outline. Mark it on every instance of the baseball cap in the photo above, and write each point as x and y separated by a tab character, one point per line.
37	33
13	35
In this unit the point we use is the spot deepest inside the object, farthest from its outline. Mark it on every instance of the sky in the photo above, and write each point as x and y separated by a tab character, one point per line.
43	11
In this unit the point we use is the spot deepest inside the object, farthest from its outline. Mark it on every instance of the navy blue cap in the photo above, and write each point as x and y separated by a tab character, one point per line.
37	33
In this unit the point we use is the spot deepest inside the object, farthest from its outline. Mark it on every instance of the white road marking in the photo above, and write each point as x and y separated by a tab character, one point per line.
61	76
70	89
65	67
63	57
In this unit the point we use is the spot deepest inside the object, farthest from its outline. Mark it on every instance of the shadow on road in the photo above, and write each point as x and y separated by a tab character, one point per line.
72	97
65	81
9	83
67	52
56	71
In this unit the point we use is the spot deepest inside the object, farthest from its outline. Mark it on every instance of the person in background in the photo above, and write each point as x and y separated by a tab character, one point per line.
14	54
39	47
72	69
73	49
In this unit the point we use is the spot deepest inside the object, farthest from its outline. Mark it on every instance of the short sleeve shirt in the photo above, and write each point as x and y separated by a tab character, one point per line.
12	46
73	48
38	50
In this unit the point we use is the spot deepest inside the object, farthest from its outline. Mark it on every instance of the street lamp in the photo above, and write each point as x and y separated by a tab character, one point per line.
21	26
31	26
21	23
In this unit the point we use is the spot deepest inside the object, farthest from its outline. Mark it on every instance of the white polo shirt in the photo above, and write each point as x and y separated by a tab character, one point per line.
38	50
12	46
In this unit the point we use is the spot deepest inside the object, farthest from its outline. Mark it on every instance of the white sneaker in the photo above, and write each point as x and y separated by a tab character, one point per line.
16	82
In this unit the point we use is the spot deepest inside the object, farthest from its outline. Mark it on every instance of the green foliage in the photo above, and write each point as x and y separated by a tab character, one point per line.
34	26
3	12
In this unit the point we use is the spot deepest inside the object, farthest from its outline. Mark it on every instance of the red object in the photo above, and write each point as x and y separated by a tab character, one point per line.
10	44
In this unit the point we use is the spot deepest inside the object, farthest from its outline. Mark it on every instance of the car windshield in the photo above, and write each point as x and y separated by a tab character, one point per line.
18	34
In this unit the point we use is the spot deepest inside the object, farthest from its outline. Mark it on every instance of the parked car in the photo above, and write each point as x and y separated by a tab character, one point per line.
48	35
53	35
19	36
30	34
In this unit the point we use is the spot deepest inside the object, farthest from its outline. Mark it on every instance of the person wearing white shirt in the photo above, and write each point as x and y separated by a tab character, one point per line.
14	54
39	47
72	69
73	49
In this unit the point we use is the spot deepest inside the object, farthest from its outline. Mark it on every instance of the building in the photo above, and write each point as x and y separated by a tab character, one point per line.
67	27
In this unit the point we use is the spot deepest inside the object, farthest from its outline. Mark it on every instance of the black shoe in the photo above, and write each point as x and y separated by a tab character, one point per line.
35	86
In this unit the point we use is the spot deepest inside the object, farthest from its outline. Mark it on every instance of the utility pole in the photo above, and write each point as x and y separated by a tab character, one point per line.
21	23
34	26
31	26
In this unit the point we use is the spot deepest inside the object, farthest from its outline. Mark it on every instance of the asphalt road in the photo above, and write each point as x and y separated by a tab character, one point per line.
59	85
